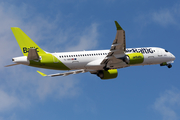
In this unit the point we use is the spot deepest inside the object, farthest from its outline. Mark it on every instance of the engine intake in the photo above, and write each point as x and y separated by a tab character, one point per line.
109	74
134	58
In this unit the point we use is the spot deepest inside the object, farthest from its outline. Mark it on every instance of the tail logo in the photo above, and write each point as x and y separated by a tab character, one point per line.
25	49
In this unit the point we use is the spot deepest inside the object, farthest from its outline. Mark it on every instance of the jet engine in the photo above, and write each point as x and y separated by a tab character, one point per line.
134	58
109	74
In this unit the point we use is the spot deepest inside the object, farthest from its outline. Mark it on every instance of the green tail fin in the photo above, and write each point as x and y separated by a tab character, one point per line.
25	43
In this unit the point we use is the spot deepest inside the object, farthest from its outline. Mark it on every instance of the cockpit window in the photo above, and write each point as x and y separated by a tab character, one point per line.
166	50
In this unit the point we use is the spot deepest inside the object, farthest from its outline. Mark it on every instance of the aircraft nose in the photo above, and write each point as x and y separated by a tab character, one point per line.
173	57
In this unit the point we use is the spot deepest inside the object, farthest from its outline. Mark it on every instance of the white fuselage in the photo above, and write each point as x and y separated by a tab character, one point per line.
92	59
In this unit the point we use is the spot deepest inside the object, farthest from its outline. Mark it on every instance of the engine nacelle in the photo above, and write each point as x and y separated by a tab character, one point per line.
134	58
109	74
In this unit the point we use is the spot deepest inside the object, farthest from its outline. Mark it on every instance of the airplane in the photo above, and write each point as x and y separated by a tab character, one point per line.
103	63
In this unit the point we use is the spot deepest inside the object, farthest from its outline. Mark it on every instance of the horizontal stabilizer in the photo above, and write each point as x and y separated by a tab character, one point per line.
63	74
11	65
33	55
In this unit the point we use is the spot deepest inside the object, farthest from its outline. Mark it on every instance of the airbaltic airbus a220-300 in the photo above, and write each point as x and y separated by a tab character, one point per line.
103	63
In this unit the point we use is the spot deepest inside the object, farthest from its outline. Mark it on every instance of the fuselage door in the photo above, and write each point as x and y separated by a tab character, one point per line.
159	53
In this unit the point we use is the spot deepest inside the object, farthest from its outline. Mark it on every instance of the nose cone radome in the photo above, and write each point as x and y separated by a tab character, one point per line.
173	57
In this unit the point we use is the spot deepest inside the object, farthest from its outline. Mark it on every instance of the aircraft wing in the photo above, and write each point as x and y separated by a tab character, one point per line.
63	74
118	47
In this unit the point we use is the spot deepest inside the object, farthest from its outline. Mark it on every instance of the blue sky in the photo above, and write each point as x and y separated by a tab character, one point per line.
139	93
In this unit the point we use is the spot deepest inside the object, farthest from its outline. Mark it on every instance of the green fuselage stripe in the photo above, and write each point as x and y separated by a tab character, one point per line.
48	61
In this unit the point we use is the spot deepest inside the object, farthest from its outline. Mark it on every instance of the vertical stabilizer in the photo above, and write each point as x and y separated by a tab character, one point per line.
25	43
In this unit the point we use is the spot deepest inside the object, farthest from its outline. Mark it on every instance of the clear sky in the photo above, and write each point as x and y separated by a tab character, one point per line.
138	93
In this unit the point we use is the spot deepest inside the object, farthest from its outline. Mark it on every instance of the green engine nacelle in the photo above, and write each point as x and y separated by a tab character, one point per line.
109	74
134	58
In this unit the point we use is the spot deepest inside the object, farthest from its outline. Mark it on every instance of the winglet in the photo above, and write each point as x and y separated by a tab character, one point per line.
41	73
118	26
